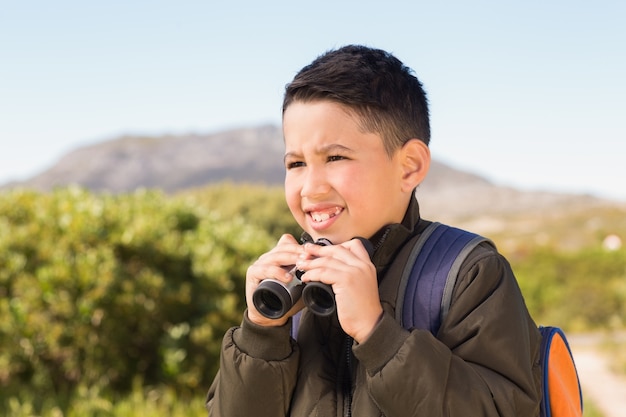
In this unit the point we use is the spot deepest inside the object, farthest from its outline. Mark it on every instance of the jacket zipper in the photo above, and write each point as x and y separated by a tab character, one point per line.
347	378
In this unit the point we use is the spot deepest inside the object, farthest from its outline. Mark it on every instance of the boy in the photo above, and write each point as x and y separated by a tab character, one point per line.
356	131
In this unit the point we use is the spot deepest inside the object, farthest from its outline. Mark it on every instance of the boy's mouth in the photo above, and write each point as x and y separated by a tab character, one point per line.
323	215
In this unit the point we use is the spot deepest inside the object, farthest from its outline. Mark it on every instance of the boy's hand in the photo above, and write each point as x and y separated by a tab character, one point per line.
348	269
272	265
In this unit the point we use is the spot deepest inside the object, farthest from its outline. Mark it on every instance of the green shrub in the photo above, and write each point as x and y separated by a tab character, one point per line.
92	402
96	290
580	290
264	207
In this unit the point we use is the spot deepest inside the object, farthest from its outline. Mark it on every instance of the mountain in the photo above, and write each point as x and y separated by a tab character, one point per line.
170	163
254	155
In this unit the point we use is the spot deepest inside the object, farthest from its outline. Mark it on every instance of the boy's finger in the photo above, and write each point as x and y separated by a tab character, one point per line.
360	246
286	238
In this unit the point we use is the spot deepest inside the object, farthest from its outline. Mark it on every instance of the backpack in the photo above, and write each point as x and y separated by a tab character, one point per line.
424	299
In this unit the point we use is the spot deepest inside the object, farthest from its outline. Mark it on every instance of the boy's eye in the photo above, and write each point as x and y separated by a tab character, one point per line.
332	158
294	164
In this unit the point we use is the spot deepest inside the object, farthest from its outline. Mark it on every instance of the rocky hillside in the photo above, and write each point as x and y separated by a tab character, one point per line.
171	163
254	155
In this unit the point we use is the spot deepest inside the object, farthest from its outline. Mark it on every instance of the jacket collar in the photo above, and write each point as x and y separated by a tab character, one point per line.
389	239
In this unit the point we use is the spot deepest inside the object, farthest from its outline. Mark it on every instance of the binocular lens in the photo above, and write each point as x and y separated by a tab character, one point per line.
272	299
319	297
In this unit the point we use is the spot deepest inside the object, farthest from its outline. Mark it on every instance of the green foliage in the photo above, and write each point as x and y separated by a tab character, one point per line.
92	402
264	207
96	290
579	290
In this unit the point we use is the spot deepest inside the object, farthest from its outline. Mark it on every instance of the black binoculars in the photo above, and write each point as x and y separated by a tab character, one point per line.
274	298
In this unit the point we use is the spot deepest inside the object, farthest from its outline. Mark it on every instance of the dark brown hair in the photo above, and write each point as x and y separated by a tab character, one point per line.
384	94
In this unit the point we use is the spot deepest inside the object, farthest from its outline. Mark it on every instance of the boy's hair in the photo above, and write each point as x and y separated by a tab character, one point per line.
385	95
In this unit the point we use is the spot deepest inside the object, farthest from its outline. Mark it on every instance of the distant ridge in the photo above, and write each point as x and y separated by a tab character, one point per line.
254	155
170	163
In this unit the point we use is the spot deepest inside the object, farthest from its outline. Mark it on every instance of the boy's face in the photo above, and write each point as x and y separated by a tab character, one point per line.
339	183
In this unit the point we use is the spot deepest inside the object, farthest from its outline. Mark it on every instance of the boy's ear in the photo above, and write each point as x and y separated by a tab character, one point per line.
415	160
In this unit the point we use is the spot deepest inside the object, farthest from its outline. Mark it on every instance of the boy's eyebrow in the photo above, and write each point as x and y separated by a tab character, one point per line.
289	155
324	150
333	147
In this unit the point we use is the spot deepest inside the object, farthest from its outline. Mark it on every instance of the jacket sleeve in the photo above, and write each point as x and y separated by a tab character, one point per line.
259	364
483	362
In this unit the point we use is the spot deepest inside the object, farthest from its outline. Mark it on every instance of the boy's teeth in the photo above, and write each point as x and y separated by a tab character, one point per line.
320	217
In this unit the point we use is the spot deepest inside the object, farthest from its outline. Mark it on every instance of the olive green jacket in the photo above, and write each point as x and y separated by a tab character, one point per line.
483	361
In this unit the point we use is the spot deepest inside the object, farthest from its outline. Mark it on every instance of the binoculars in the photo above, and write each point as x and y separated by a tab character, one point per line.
274	298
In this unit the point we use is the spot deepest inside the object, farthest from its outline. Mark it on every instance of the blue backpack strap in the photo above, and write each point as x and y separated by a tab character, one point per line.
430	274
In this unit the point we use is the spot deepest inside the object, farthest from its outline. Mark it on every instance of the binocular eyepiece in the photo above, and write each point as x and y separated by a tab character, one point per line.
274	298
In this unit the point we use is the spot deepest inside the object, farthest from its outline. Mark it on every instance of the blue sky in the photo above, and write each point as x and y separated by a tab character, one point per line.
529	94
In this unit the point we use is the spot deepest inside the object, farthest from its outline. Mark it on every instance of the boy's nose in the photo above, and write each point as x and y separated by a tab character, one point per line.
315	183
